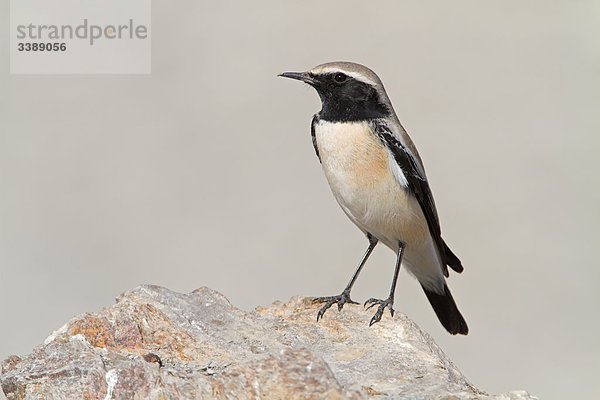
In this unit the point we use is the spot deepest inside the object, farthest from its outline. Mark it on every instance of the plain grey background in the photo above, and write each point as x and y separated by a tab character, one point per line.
203	173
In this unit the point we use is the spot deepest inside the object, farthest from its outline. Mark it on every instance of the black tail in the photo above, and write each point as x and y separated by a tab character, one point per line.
451	259
446	311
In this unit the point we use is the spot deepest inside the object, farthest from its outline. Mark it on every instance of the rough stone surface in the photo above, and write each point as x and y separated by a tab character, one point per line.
158	344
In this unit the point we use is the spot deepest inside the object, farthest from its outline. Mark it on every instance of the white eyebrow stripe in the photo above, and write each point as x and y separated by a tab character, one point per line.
355	75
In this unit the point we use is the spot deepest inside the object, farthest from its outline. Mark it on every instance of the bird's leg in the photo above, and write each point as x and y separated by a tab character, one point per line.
389	302
344	298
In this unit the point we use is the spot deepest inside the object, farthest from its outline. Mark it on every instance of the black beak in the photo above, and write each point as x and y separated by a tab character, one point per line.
300	76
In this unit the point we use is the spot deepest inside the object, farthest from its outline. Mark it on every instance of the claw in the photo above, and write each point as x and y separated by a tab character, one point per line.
321	312
373	302
376	317
331	300
382	306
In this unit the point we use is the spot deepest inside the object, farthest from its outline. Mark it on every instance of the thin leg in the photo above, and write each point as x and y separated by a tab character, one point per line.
345	296
372	243
389	302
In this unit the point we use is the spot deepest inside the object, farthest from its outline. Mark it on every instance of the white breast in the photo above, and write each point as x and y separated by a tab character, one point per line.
372	190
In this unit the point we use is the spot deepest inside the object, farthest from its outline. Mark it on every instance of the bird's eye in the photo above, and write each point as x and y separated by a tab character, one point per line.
340	78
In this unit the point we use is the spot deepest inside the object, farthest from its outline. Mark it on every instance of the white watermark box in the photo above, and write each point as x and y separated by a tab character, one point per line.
80	36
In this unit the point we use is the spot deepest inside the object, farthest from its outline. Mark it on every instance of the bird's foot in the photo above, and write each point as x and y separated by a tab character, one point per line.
389	302
340	299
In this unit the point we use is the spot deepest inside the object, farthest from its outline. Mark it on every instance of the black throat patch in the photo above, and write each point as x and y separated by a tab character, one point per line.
351	100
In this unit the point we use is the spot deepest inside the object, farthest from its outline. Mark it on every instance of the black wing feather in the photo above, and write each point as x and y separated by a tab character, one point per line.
314	137
418	185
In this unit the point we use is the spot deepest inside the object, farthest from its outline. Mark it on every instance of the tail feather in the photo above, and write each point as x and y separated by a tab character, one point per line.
452	260
446	310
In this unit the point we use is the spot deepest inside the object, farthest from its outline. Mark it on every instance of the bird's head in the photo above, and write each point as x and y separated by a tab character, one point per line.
348	91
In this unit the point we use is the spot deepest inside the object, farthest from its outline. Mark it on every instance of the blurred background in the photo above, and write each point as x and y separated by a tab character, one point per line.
203	173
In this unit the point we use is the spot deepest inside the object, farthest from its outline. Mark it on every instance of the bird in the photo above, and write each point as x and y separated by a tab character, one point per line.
377	177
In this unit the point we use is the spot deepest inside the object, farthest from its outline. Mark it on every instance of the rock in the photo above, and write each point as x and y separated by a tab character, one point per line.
158	344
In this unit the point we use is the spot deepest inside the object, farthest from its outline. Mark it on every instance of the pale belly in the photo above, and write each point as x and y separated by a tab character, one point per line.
357	169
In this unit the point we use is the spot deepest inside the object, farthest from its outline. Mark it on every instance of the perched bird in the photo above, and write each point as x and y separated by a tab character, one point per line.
378	179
